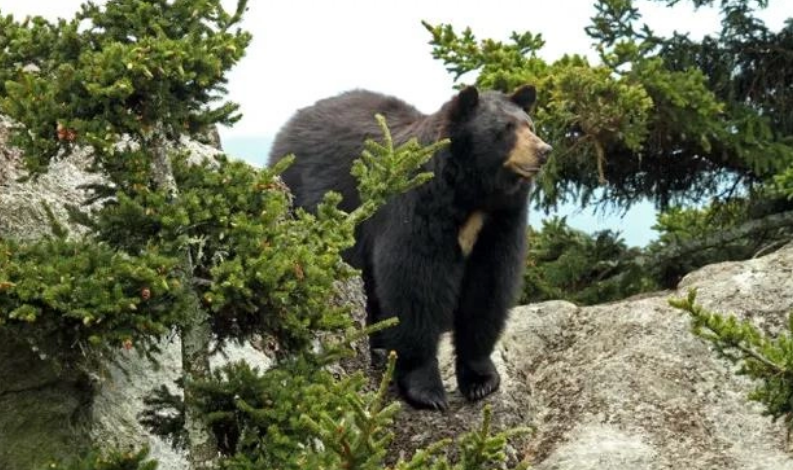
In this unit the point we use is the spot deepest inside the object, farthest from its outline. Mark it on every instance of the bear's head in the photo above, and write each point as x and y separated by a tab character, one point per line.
493	140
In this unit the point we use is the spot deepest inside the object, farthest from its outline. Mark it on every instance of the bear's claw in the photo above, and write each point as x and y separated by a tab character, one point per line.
426	398
422	387
477	379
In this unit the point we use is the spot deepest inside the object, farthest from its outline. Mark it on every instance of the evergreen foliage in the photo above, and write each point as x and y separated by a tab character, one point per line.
565	263
68	297
122	68
353	434
381	164
111	461
570	264
679	226
783	184
760	356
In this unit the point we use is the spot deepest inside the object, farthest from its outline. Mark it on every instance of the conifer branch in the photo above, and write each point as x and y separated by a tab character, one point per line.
755	353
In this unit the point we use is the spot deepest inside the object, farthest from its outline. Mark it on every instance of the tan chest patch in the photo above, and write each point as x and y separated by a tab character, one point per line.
469	232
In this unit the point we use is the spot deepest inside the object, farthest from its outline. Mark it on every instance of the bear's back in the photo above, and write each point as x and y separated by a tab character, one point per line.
327	136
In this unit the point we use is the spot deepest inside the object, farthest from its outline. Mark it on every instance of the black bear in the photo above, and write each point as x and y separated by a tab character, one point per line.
447	255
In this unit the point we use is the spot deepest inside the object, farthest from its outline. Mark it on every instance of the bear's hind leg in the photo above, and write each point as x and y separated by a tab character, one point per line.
373	315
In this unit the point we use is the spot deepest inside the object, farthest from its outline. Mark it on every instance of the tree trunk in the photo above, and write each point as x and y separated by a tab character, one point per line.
750	228
195	333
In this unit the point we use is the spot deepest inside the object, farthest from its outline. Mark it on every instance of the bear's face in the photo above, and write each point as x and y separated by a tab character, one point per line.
494	139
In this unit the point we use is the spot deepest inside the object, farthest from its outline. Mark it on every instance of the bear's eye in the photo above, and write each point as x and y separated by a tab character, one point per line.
509	126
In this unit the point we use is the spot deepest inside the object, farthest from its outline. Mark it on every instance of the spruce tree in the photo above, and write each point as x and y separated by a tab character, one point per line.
142	73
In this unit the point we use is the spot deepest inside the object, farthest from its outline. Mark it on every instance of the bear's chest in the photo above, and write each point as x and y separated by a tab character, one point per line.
469	232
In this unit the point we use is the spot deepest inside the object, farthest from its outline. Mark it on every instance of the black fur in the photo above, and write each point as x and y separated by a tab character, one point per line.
412	263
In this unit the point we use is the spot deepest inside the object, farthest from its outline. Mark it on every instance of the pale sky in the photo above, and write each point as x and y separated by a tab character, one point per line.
305	50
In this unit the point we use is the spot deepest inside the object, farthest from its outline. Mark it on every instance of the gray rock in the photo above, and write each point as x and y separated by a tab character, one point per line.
22	205
118	400
44	412
627	386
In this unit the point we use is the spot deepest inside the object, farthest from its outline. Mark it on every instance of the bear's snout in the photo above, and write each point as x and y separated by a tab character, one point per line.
542	153
528	154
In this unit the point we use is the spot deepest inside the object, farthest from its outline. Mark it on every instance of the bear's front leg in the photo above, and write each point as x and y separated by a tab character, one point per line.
421	288
492	278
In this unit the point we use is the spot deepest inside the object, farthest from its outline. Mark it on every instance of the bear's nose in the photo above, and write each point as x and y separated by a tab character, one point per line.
543	152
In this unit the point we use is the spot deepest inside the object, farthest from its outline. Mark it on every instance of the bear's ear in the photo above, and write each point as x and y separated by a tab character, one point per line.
524	97
464	103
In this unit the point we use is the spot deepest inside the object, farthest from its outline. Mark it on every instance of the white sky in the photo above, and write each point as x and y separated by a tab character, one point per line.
306	50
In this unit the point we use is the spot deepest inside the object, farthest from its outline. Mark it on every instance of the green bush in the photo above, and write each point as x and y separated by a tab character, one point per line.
110	461
565	263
